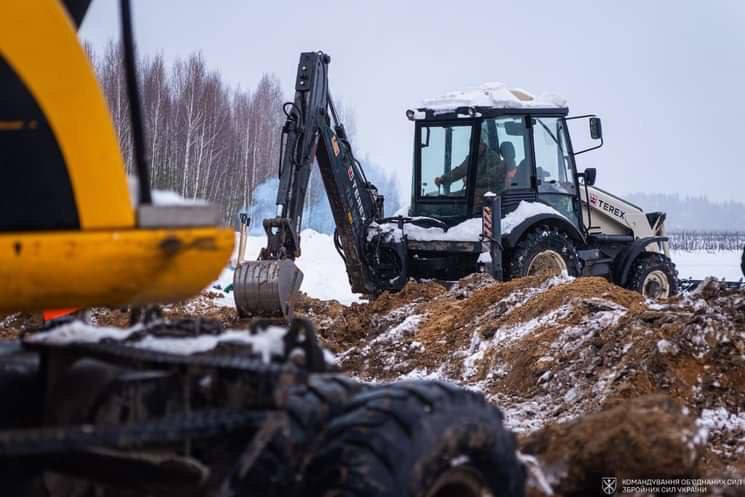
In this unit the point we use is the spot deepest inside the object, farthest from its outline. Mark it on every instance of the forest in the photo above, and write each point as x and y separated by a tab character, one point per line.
207	140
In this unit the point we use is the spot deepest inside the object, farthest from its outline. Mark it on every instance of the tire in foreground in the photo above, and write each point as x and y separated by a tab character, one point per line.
416	439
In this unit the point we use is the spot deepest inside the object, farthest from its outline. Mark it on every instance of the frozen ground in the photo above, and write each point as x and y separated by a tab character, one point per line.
326	279
701	263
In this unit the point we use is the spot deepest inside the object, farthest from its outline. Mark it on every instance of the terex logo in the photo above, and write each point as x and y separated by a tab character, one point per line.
602	204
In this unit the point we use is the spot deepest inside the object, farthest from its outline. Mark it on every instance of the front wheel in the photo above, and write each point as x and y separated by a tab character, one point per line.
544	250
417	439
654	276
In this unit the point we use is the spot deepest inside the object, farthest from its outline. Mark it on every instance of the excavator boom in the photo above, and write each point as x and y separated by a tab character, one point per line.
311	133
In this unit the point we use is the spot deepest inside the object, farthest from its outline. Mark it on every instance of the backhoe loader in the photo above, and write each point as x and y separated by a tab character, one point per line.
180	408
495	188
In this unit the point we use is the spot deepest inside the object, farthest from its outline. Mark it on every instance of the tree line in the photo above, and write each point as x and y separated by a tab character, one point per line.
205	139
707	240
693	213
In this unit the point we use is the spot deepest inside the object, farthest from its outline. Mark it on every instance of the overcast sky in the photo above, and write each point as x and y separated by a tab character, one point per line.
667	77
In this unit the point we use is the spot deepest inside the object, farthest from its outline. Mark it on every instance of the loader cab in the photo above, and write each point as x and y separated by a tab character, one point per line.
519	154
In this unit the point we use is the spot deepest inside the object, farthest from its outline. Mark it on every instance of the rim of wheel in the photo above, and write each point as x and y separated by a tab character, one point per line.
547	262
460	481
656	285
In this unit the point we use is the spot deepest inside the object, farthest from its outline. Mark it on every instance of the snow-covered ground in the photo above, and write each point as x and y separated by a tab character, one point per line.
699	264
326	278
324	274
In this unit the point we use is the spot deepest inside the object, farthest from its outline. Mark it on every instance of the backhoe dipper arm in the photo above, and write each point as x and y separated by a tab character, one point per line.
312	132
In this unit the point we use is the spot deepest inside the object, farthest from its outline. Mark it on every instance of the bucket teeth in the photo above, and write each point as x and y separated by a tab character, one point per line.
266	288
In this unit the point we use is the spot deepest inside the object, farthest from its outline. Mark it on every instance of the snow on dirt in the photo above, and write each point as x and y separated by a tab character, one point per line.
579	366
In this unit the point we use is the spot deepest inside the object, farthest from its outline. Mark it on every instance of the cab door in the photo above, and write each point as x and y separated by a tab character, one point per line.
556	180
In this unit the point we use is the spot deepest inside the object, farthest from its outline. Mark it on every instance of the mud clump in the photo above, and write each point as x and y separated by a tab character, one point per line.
649	437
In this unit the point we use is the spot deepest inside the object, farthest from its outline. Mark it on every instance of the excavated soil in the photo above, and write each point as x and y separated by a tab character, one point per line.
596	381
203	306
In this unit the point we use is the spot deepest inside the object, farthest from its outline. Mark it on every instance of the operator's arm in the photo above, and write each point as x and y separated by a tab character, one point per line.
454	175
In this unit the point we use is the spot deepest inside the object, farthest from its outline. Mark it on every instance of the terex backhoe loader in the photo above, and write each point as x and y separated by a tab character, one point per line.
479	156
176	408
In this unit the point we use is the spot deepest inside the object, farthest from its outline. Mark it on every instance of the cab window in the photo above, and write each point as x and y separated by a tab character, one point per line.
507	136
553	165
444	151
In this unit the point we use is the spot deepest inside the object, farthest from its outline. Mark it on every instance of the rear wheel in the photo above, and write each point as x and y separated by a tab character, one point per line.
416	439
742	262
544	250
654	276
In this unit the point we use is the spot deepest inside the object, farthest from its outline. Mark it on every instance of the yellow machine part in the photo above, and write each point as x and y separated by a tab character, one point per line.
39	41
84	269
109	260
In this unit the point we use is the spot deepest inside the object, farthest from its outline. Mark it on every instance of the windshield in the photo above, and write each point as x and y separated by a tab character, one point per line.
444	153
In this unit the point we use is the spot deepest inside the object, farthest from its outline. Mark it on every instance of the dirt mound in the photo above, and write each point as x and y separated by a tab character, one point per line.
649	437
551	351
343	327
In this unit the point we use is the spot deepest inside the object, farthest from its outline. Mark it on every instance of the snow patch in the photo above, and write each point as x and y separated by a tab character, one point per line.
160	197
467	231
79	332
266	343
493	95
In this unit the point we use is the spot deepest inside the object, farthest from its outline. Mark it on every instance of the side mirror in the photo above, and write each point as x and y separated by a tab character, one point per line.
596	128
589	176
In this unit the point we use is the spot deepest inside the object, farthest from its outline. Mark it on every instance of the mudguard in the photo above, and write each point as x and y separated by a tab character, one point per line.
624	260
513	237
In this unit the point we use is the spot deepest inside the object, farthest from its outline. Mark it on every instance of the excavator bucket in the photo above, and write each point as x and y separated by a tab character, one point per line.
266	288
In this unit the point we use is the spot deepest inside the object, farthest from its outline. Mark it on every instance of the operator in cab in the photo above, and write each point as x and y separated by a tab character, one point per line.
493	172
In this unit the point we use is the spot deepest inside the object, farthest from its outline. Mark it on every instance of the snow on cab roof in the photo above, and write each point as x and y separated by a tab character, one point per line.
494	95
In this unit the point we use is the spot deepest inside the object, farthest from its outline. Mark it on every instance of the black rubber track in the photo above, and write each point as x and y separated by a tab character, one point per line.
278	470
538	239
396	440
648	262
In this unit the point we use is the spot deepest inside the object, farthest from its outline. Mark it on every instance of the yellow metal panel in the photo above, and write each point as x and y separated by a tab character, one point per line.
39	41
84	269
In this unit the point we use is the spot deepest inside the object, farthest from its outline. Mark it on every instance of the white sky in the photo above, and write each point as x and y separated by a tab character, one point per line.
667	77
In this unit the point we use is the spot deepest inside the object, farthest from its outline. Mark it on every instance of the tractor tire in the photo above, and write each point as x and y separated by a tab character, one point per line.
742	262
278	469
543	250
654	276
416	439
